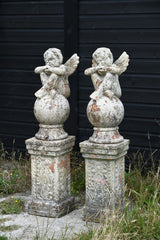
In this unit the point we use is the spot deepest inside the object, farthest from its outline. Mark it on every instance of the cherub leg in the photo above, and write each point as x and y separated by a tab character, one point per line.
41	92
97	93
48	88
52	85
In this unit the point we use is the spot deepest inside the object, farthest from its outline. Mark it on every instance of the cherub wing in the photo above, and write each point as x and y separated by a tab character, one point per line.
71	64
122	62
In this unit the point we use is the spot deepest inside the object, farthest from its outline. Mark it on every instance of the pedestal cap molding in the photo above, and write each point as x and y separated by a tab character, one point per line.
104	151
49	148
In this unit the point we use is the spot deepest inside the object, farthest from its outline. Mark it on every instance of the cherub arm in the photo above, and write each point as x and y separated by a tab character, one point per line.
58	70
47	69
101	70
39	69
90	71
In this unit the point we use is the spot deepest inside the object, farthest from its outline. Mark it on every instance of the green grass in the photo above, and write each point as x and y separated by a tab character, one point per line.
14	172
3	220
9	228
140	219
77	174
3	238
11	206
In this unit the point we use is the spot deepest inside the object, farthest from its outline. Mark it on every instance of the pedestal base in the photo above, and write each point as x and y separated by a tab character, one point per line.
51	132
104	178
50	208
106	135
50	175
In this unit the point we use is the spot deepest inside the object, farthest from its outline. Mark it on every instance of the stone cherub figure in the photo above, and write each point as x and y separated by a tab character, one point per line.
54	75
104	73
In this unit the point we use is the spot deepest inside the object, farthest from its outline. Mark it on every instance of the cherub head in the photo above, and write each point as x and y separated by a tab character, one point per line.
102	56
53	57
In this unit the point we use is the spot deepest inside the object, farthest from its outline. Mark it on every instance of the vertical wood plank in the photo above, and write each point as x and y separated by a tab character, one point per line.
71	47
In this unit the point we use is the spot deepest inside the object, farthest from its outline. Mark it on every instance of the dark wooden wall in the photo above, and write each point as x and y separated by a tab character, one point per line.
28	28
134	27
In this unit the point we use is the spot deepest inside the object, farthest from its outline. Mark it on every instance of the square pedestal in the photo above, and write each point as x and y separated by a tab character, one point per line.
104	166
50	173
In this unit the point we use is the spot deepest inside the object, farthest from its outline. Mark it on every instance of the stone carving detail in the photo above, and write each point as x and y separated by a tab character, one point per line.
51	108
105	111
103	183
104	177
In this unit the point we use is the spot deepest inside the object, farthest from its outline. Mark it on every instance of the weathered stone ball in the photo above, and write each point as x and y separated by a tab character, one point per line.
51	111
105	112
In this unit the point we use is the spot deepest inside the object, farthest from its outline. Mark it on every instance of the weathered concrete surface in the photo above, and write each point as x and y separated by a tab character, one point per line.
57	228
104	167
51	114
50	172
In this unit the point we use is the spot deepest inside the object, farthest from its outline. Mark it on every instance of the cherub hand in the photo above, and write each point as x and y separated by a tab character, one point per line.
113	69
48	70
101	70
109	94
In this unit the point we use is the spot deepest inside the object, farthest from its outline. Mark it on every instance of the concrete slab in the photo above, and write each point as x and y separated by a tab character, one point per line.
46	228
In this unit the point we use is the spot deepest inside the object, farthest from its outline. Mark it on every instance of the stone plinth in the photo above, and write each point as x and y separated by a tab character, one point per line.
104	177
50	166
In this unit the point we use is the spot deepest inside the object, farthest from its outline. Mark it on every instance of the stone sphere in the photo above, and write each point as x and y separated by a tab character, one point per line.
105	112
51	111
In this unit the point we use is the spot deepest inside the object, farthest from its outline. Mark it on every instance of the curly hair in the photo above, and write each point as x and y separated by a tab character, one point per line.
48	55
103	55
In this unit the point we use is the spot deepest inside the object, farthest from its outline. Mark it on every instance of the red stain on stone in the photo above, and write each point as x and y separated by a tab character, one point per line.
63	164
120	178
94	108
93	155
94	113
69	158
98	82
35	204
116	135
98	179
52	166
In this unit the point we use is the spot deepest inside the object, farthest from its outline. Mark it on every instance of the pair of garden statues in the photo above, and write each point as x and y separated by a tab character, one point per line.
50	148
104	110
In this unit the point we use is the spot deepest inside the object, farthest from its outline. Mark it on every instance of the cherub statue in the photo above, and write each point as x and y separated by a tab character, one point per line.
54	75
104	73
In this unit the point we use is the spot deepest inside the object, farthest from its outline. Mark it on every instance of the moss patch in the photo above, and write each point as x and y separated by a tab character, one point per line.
3	220
9	228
